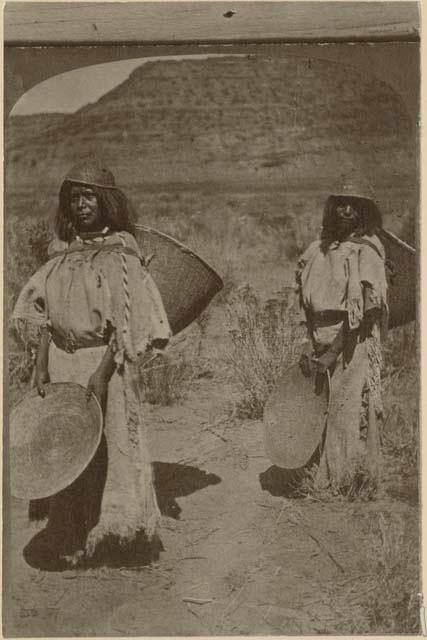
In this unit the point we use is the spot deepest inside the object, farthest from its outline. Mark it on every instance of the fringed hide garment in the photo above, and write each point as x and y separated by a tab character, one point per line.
91	295
348	280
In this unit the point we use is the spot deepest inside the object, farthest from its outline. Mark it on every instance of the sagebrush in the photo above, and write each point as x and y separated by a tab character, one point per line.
165	379
265	340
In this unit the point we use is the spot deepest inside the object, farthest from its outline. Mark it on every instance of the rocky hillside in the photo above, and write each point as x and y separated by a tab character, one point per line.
245	125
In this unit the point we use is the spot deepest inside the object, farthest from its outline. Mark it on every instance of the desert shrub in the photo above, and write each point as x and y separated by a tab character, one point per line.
400	349
21	363
265	339
165	379
358	486
232	235
399	431
392	605
27	242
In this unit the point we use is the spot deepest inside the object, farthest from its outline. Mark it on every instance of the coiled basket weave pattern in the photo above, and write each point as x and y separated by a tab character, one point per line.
52	439
186	282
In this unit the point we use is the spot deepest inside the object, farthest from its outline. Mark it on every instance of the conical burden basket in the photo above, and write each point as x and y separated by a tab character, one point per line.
186	283
401	268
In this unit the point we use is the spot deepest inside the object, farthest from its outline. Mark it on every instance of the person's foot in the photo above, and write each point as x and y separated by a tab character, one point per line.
75	559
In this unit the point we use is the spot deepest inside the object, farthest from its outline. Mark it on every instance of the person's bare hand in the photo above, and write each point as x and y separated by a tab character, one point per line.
41	378
306	360
98	385
325	362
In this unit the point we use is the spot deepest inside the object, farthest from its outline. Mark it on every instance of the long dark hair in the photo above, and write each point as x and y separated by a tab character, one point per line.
115	209
370	217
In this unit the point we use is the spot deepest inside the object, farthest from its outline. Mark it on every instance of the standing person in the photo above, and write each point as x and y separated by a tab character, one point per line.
342	288
99	313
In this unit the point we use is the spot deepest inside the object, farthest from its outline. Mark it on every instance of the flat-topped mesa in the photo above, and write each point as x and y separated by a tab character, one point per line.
242	117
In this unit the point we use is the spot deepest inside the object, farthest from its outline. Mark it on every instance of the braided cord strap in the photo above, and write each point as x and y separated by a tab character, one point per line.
126	321
135	421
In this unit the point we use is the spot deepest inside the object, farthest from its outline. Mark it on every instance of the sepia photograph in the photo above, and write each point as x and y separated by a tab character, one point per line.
211	323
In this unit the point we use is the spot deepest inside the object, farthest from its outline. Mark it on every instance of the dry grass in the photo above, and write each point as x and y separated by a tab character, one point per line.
265	338
231	235
27	242
21	365
359	486
165	380
400	432
393	559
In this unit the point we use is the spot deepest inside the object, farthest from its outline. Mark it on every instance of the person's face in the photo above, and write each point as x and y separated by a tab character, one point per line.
85	209
347	218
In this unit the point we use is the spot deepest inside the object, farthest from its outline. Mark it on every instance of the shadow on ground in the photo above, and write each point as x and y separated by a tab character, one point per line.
282	482
44	552
287	483
51	548
172	480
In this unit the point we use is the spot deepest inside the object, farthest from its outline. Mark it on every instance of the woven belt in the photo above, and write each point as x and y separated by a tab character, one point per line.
327	318
70	346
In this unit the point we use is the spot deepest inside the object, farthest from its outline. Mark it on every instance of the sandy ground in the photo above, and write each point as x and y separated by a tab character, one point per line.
254	562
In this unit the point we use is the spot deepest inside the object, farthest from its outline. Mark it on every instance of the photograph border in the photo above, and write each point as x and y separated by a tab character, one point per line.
250	27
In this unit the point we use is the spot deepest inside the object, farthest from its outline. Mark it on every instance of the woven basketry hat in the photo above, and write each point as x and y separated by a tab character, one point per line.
353	185
91	172
52	439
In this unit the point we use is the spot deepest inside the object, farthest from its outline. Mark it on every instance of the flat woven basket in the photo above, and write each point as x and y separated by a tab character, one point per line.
186	282
295	418
52	439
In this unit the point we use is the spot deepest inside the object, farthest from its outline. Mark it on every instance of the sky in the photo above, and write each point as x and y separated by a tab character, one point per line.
67	92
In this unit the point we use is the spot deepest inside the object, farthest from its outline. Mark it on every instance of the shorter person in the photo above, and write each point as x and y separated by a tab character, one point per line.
342	288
